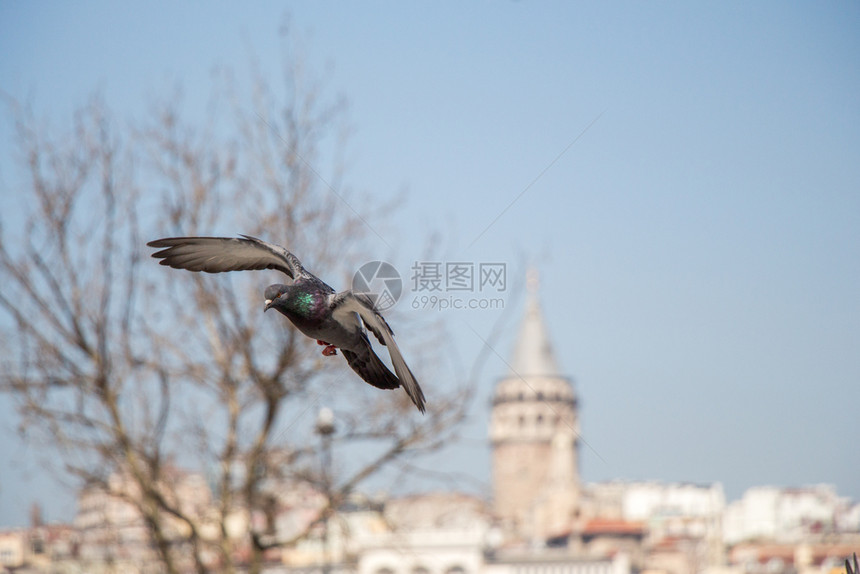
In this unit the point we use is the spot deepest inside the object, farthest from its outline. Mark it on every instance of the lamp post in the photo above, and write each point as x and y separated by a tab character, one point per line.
325	428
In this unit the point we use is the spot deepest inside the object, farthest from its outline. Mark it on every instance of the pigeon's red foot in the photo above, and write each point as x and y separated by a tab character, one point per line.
330	351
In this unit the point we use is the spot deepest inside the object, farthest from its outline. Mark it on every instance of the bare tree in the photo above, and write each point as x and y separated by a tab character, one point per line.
125	368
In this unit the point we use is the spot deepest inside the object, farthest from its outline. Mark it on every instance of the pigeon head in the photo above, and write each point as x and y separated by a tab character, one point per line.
295	301
272	294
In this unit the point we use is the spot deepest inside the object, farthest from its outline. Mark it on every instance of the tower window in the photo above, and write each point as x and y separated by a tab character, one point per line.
540	419
522	420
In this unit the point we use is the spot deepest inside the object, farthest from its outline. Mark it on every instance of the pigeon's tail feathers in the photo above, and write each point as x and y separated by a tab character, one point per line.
404	373
347	303
370	368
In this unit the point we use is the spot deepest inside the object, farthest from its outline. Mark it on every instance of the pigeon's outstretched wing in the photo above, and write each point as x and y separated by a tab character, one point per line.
348	302
219	254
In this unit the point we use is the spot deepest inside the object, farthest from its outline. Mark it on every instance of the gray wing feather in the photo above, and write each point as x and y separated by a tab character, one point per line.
349	302
220	254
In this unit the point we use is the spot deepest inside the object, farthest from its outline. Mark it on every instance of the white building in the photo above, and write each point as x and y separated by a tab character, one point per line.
650	500
454	533
789	514
682	521
13	548
429	534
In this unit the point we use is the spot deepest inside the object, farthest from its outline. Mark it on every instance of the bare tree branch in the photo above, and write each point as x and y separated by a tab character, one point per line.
126	369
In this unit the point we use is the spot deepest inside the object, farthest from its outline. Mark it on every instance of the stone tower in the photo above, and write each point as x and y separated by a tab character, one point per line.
534	430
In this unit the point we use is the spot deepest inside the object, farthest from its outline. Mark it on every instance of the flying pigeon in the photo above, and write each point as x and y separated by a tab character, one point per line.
333	319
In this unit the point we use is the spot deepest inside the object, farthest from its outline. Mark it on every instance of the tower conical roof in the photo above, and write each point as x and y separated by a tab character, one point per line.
533	353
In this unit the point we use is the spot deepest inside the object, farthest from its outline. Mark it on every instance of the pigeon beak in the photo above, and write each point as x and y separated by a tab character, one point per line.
268	305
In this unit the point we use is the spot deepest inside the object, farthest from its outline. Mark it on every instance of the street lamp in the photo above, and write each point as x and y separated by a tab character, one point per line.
325	422
325	428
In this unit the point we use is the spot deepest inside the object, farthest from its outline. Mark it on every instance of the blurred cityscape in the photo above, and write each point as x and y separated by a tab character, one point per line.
539	519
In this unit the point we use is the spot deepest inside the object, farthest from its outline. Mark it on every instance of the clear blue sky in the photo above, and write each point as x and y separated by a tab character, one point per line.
699	245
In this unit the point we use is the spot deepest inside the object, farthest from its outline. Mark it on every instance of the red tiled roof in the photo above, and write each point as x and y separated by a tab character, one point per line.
610	526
